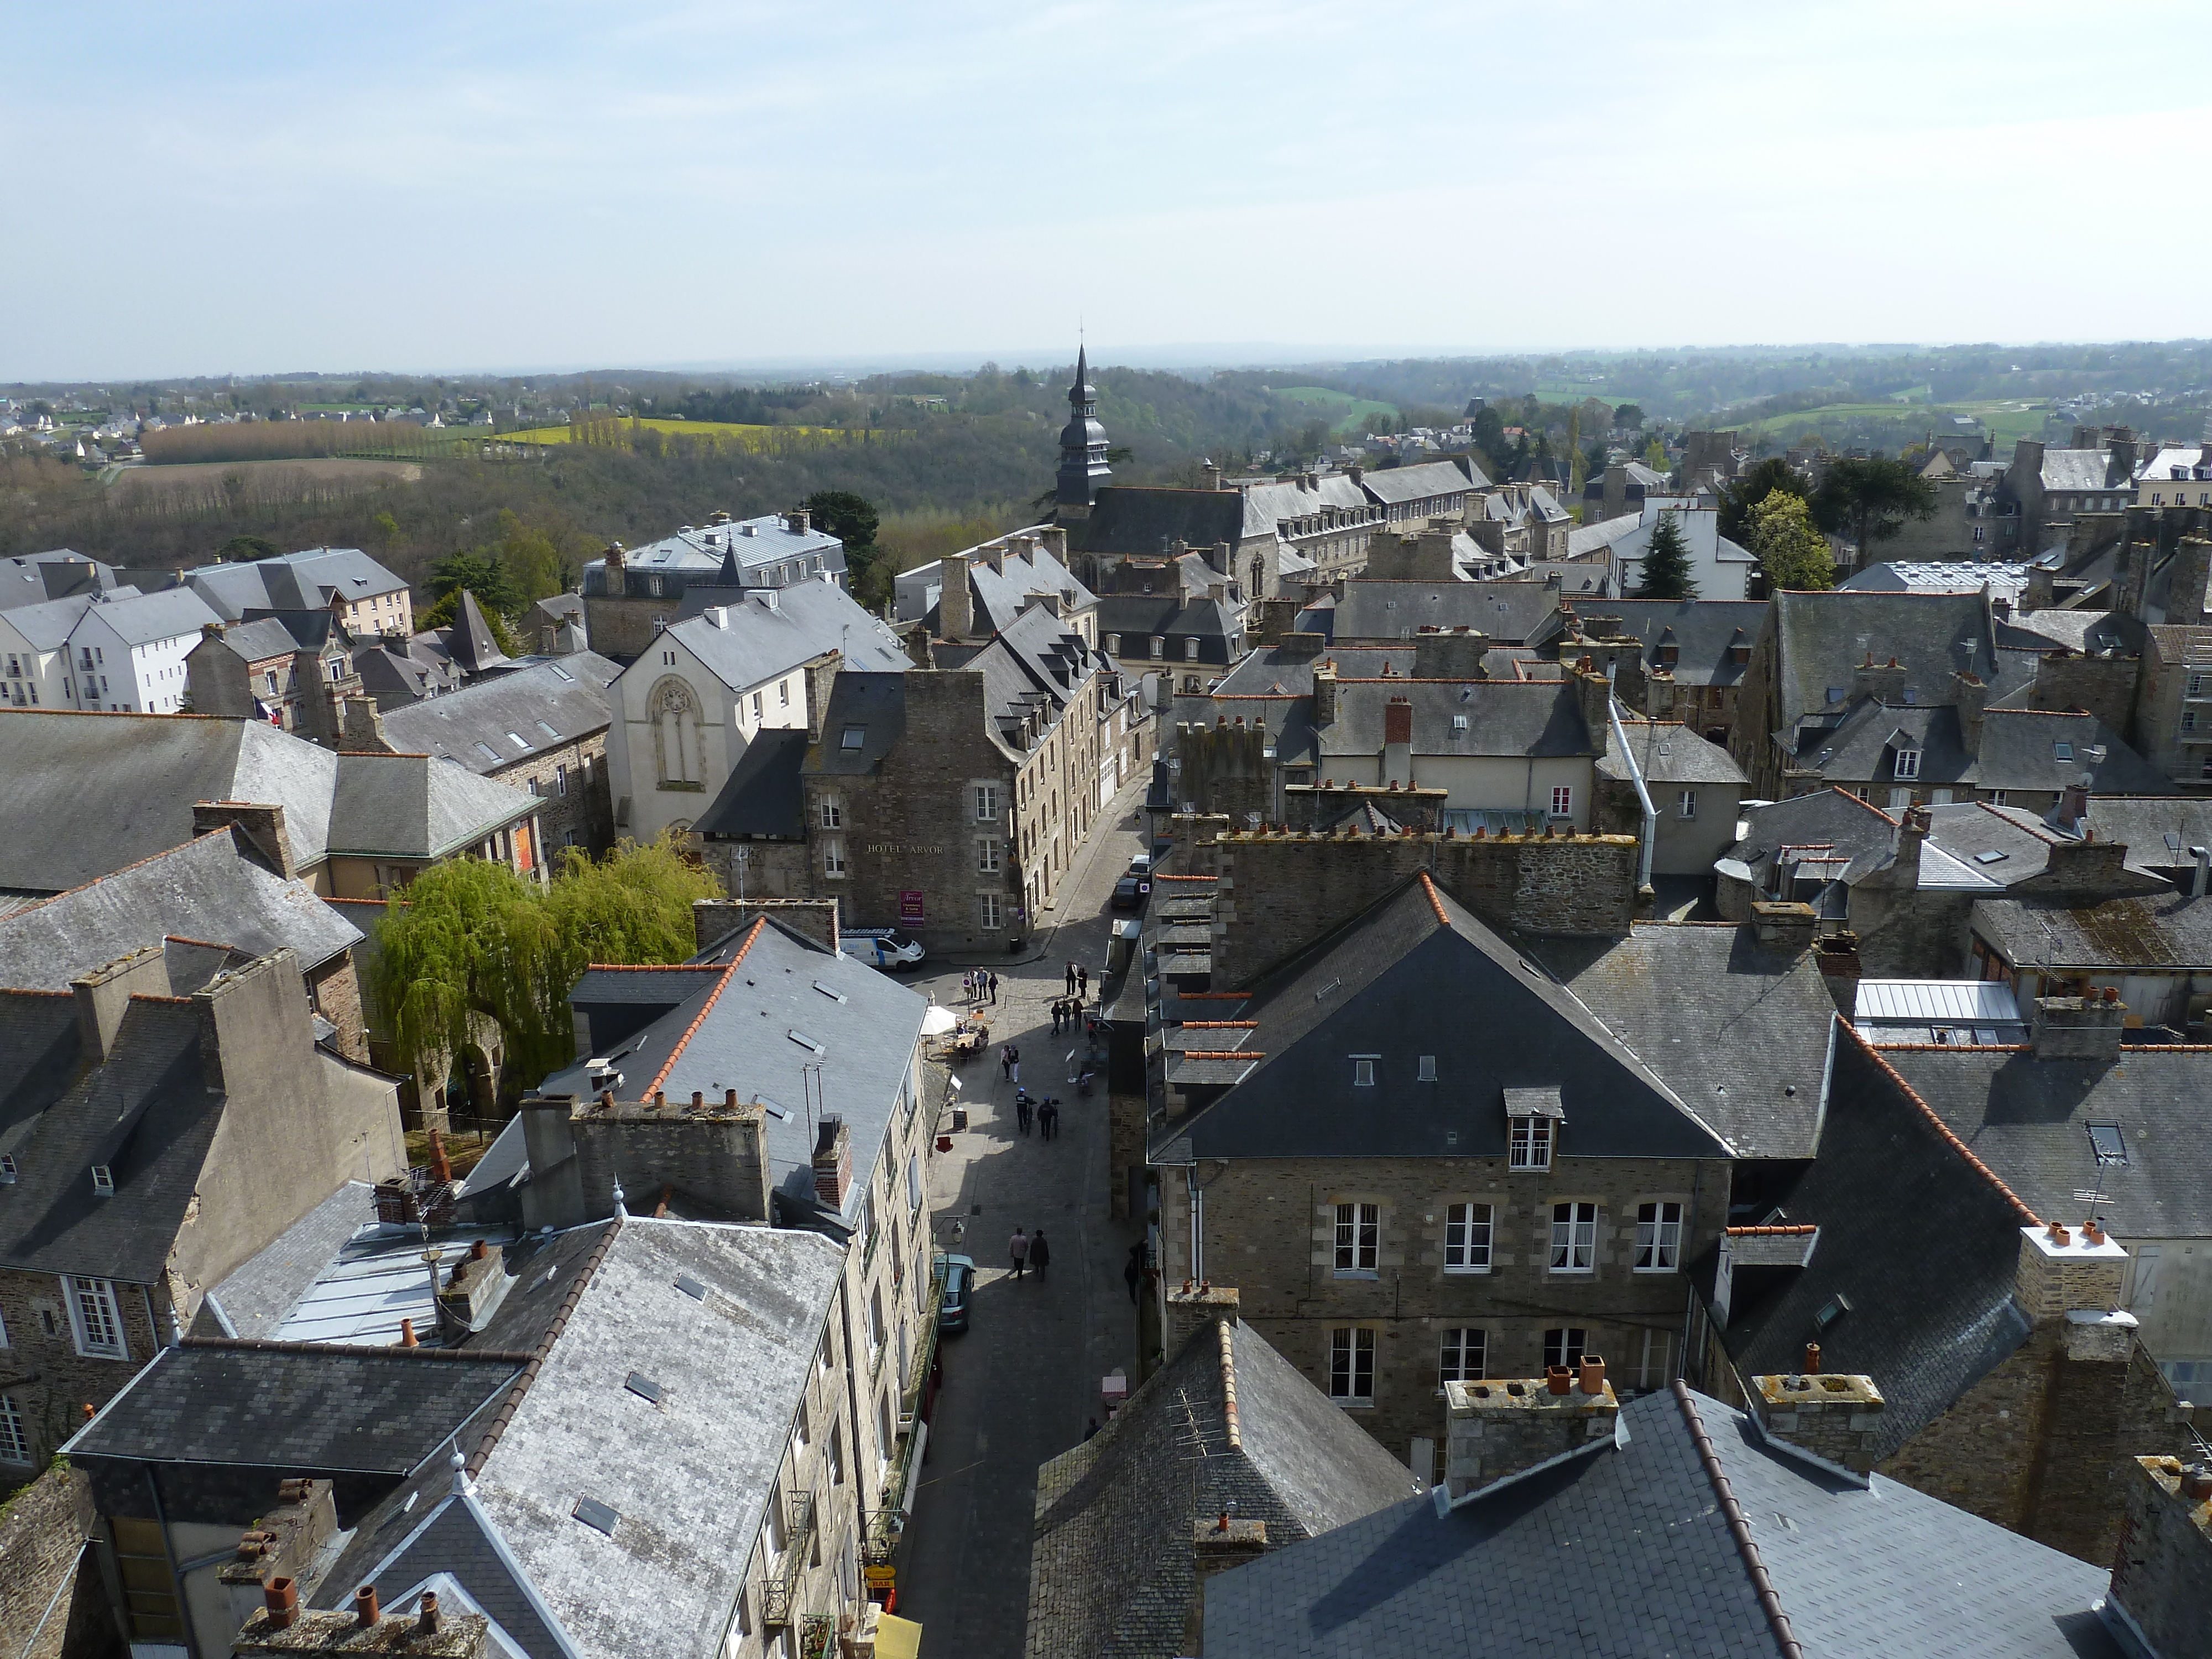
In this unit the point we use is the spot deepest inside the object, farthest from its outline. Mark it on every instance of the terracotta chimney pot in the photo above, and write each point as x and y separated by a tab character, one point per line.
1558	1379
1593	1374
365	1611
280	1597
407	1337
1812	1359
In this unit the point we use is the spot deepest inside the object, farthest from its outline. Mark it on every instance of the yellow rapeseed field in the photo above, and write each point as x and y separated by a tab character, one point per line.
603	429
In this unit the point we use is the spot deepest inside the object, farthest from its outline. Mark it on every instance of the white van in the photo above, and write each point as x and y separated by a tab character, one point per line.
880	947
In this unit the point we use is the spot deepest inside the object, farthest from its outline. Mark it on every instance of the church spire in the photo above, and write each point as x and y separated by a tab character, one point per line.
1083	469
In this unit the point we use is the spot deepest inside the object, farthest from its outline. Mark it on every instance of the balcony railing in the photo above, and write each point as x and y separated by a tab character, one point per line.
780	1592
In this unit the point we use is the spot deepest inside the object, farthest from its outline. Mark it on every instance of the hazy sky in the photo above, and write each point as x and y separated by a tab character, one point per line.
206	187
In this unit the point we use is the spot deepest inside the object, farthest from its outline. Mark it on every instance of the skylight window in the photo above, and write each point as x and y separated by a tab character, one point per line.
853	737
806	1042
691	1287
834	994
548	730
562	673
103	1181
518	740
643	1387
1830	1311
2062	752
7	1170
1992	856
2110	1146
488	751
597	1515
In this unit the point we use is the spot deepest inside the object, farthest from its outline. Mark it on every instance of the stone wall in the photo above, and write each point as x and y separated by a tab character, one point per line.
570	780
41	1370
2106	686
335	990
1269	1225
1225	769
1279	892
772	869
43	1577
2162	1570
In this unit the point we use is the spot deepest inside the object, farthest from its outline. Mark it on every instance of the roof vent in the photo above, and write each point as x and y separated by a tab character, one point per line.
597	1515
103	1181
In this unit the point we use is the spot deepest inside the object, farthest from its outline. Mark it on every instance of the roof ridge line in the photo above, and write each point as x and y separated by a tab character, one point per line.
1746	1547
705	1009
1436	899
1942	1129
1229	1386
354	1349
536	1361
136	864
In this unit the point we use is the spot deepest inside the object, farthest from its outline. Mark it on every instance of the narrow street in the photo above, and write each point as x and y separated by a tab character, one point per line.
1021	1383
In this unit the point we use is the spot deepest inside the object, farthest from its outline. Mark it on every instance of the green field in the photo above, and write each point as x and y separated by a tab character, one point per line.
1350	410
2007	420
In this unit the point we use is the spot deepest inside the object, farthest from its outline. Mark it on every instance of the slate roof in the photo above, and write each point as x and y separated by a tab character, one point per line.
45	625
1147	520
2142	824
1600	537
762	643
1971	832
129	782
1670	753
763	796
768	989
1273	672
1883	1170
1822	638
2086	631
1625	1551
1111	1565
1397	981
695	556
1745	1051
306	580
409	806
371	1411
689	1475
1384	611
261	638
1139	615
142	618
254	1301
2079	469
1866	836
2163	931
34	578
2018	749
2028	1120
1538	718
1702	631
874	703
1393	486
568	696
205	890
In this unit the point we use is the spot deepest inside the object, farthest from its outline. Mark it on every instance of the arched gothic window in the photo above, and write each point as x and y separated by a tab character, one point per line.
676	733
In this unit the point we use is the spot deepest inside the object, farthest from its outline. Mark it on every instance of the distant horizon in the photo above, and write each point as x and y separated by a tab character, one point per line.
1241	356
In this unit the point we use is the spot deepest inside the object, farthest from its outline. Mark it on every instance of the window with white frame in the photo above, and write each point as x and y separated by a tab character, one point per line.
1906	763
833	811
1460	1355
1352	1365
988	857
1656	1360
833	858
1563	801
1685	803
1190	650
1574	1238
560	779
1426	1071
94	1319
1467	1238
914	1181
1529	1145
1564	1345
1363	1072
1658	1237
1160	646
986	803
1358	1237
15	1437
989	911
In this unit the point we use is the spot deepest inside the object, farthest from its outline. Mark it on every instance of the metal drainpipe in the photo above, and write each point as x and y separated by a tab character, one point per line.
1635	777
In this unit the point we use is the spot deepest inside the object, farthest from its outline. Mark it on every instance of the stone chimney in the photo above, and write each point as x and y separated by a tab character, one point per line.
2079	1028
1784	925
1450	653
1884	681
1971	696
798	521
1324	693
1195	1308
2192	567
1055	537
1494	1431
1217	1543
2162	1572
1836	1418
1594	696
956	605
103	997
278	1550
2063	1273
615	570
715	1149
361	728
1837	957
1912	828
428	1632
833	1162
1398	742
2071	807
264	826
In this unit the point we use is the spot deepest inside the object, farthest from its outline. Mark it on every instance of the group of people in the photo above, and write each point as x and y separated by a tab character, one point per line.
1045	1114
980	987
1029	1251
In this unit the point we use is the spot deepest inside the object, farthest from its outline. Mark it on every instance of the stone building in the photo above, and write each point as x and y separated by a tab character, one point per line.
1695	652
361	595
294	669
2013	1383
541	729
967	596
1428	1161
2044	489
1695	790
630	596
1619	491
174	1114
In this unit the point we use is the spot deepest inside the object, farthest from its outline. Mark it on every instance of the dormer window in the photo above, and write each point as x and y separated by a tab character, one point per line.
1363	1072
1533	1118
103	1181
1904	757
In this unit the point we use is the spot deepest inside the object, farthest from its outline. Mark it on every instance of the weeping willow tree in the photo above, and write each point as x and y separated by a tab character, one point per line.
470	942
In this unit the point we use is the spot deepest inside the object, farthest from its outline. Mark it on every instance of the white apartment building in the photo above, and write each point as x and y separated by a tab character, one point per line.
124	654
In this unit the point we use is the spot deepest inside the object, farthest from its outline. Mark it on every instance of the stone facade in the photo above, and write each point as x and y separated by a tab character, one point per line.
305	689
42	1373
44	1607
1280	891
1270	1223
2162	1570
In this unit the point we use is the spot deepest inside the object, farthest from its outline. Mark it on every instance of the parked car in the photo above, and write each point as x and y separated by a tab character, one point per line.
957	1275
1129	893
1141	865
881	947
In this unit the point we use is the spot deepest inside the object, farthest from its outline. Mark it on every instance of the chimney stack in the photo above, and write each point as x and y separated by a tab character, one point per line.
1884	681
2078	1028
1838	1419
1195	1308
1971	695
956	607
281	1598
833	1162
1324	693
1397	742
1494	1431
1784	925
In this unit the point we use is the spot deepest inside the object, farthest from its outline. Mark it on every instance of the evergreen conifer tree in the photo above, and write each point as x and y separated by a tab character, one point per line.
1667	564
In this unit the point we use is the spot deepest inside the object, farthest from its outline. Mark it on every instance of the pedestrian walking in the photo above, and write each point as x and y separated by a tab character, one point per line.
1048	1118
1019	1247
1071	978
1040	1253
1006	1060
1082	983
993	979
1014	1072
1055	1019
1024	1111
1133	1275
